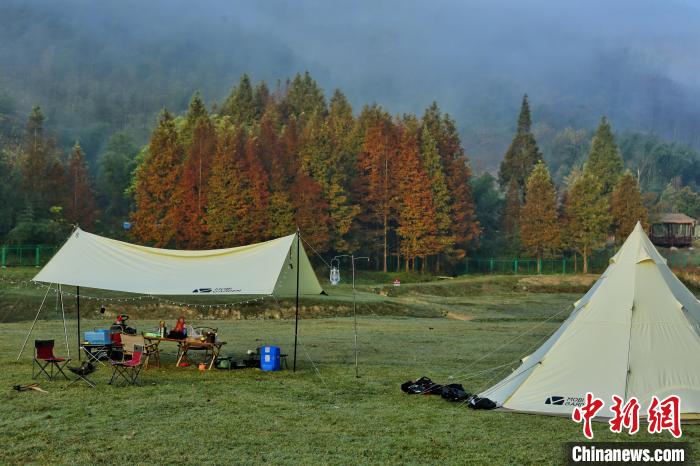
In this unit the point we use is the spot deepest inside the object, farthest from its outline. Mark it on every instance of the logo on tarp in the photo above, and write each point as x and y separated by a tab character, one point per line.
201	290
555	400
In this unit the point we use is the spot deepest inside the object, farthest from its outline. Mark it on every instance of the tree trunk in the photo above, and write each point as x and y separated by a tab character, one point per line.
539	264
585	260
385	245
406	260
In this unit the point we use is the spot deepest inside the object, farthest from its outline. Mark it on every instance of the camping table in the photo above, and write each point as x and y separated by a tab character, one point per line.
184	345
96	352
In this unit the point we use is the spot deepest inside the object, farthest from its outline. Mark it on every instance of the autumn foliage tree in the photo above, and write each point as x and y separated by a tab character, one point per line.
268	162
156	184
627	206
417	227
540	230
588	216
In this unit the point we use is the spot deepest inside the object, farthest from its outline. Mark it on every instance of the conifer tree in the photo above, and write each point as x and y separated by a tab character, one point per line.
311	211
432	164
115	171
304	97
156	182
227	201
627	206
343	150
540	230
588	216
464	226
604	161
375	183
240	105
522	154
190	198
42	171
81	205
417	226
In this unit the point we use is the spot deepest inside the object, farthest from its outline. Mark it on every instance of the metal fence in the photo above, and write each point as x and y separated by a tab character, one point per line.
562	265
38	255
26	255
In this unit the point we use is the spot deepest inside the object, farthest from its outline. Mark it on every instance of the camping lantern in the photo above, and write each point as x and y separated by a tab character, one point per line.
335	274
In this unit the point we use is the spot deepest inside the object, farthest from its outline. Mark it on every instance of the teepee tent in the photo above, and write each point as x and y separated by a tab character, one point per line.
635	333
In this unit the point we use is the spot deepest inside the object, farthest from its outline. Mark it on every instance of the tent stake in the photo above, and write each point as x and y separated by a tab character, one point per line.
296	314
34	323
77	307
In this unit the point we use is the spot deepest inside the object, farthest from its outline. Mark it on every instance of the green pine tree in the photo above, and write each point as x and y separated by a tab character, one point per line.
604	161
522	154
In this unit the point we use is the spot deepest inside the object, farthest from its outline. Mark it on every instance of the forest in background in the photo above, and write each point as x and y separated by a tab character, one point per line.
399	188
99	68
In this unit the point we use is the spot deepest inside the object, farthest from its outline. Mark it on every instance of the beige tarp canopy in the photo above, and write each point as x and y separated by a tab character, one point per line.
635	333
268	268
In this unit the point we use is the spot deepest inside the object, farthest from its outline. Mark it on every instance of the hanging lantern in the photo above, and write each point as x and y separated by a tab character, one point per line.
335	274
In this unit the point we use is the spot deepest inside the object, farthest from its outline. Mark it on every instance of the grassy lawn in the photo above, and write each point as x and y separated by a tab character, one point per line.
321	413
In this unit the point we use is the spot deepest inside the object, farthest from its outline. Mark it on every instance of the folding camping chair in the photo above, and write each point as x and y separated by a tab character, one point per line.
129	342
44	357
131	369
81	373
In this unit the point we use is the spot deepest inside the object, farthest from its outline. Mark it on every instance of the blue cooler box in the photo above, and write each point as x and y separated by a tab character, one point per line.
270	358
98	337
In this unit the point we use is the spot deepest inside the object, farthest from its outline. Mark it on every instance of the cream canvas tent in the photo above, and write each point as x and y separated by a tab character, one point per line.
268	268
635	333
279	267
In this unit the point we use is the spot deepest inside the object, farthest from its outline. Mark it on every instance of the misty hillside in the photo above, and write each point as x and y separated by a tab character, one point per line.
101	67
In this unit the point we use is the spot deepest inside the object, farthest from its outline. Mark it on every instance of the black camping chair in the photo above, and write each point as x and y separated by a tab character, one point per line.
44	358
81	373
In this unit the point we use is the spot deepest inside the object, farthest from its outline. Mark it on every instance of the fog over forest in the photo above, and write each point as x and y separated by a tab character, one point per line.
101	67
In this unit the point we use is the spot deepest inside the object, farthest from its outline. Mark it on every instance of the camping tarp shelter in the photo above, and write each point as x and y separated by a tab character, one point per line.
268	268
635	333
89	260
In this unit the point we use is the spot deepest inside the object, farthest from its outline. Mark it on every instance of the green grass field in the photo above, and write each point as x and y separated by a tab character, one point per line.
321	413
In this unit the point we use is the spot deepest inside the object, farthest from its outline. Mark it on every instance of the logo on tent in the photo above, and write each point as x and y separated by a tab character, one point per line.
555	400
201	290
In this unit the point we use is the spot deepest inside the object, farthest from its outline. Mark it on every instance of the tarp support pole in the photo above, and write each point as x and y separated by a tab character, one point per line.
296	314
34	323
63	313
77	307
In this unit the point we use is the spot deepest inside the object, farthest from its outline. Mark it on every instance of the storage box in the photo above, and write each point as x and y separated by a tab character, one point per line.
98	337
270	358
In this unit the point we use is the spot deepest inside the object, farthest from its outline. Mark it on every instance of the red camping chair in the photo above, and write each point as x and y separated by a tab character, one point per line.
131	369
44	357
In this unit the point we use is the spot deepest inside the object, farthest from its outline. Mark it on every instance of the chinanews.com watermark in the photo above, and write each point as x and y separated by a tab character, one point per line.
661	415
598	453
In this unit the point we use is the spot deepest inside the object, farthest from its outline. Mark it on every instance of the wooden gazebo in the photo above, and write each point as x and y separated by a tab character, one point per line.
672	229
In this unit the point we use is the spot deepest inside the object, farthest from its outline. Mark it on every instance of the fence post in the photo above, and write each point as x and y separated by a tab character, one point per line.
515	266
563	266
37	256
4	256
491	265
466	266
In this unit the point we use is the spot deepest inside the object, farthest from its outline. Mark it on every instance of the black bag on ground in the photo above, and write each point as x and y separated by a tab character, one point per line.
422	386
481	403
454	392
